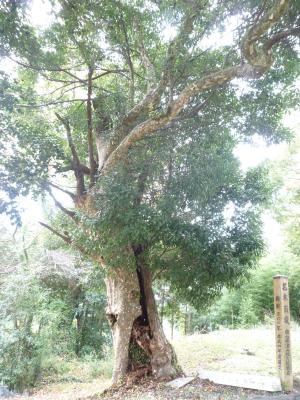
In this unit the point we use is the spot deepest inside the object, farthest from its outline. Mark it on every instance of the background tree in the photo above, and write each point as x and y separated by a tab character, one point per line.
52	307
253	301
147	125
286	171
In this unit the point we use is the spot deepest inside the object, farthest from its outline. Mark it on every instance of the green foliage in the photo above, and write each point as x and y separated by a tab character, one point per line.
37	323
253	302
137	355
20	359
51	306
25	323
288	199
294	285
92	332
99	367
248	313
200	228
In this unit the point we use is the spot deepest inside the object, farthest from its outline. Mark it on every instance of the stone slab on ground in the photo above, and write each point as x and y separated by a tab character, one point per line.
180	382
295	396
266	383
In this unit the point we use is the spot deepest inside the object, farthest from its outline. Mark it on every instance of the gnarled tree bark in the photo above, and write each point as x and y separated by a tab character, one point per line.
135	323
123	307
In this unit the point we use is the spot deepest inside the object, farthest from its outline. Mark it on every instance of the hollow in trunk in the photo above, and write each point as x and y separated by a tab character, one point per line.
140	345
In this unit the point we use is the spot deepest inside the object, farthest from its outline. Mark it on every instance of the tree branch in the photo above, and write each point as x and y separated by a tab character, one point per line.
85	170
153	124
110	71
65	238
58	88
259	57
127	56
70	213
66	70
153	96
51	103
43	70
75	159
278	37
54	69
61	189
258	64
149	67
92	162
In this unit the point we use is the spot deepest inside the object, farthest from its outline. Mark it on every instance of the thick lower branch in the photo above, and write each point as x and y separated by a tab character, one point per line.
65	238
156	89
150	336
259	61
252	53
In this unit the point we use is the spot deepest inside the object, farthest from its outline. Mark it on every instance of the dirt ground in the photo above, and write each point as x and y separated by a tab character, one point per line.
196	390
219	350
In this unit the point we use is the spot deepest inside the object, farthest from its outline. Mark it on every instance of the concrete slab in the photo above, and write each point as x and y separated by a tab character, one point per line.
266	383
180	382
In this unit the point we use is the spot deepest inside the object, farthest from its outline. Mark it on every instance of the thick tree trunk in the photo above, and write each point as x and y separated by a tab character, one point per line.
123	298
162	309
140	346
163	359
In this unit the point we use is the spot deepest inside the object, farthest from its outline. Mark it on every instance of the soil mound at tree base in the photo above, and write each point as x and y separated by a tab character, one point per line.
148	389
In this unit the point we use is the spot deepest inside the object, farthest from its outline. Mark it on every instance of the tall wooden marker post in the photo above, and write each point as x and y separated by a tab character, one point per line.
282	330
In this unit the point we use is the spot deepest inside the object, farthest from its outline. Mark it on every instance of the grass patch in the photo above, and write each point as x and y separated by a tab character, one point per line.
101	368
224	351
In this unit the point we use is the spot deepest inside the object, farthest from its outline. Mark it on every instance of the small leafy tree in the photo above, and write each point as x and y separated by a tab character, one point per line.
51	305
253	301
24	324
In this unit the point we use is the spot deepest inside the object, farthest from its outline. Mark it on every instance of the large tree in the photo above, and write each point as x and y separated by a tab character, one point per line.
140	104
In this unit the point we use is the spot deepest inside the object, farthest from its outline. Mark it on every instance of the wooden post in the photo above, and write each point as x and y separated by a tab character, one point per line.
282	330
